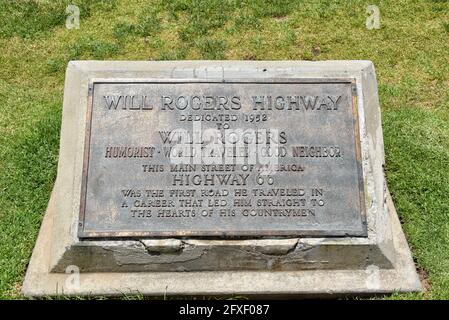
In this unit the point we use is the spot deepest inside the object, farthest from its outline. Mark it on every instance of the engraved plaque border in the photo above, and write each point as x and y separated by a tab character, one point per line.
82	234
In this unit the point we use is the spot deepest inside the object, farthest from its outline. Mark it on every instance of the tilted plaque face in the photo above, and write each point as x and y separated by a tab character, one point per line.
229	158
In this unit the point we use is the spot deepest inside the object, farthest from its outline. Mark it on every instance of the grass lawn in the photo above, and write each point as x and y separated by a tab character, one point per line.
410	52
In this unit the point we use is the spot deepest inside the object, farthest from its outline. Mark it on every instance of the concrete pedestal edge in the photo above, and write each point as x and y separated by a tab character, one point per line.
303	283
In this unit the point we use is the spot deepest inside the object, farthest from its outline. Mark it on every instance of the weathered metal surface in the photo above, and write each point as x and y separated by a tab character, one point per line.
136	184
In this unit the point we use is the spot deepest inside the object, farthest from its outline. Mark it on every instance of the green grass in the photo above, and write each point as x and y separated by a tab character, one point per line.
410	52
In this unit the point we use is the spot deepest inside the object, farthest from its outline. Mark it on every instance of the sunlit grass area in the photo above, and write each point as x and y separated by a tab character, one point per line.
410	52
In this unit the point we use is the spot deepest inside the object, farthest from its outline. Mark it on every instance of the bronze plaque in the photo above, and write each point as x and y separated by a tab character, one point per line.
253	158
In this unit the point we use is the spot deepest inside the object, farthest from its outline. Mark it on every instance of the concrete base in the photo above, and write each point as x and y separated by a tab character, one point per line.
39	282
378	263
